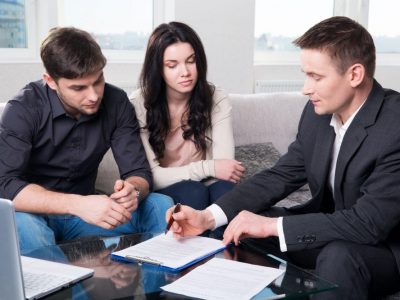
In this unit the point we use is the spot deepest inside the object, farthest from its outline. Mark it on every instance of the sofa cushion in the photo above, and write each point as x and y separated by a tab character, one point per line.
256	157
259	156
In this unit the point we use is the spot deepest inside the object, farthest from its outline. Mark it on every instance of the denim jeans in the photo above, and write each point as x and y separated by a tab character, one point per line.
35	230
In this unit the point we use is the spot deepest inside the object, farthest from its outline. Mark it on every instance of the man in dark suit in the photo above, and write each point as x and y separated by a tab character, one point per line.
348	151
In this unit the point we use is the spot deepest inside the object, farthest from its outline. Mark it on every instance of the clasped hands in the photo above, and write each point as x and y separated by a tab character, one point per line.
191	222
111	211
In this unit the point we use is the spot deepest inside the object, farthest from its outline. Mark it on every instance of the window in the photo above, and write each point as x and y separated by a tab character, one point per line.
16	29
122	34
121	27
273	34
384	26
279	22
12	24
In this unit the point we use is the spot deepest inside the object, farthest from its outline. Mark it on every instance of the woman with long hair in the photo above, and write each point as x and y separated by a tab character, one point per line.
185	121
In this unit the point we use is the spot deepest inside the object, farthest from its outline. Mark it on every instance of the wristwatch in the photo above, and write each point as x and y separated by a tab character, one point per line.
137	192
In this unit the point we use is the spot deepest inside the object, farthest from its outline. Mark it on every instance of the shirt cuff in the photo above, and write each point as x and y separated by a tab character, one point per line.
218	214
281	234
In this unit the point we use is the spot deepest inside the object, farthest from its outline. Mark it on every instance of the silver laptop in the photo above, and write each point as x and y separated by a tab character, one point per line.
24	277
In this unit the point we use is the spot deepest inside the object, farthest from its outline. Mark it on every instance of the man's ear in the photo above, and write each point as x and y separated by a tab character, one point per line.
356	74
50	81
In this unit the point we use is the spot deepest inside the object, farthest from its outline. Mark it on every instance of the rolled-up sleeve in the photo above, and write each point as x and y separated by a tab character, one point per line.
16	125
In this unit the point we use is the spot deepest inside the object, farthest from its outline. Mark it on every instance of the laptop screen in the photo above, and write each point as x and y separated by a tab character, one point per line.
11	280
26	277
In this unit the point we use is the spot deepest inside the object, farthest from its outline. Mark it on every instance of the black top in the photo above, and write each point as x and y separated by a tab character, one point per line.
40	143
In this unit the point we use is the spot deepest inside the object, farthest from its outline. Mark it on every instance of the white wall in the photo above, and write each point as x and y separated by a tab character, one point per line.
388	76
226	28
13	76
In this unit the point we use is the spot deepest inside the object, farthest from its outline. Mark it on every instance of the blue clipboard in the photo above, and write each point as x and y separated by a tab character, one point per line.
151	261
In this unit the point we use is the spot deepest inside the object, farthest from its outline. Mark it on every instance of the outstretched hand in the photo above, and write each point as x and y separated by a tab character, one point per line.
247	224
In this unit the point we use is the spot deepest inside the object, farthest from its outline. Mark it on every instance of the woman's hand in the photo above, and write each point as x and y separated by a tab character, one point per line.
228	169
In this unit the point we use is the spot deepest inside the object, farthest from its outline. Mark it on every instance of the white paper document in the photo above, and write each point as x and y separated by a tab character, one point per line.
170	252
224	279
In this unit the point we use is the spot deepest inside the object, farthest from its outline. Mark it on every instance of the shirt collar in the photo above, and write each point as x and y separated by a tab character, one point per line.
55	102
337	124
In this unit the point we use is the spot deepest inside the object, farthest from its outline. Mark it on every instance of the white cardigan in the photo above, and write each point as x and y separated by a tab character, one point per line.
222	143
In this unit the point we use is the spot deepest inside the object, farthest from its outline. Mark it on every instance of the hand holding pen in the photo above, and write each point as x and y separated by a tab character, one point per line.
171	218
187	221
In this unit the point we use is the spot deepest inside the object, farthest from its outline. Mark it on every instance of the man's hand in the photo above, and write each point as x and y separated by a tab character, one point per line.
100	210
247	224
190	222
228	169
126	195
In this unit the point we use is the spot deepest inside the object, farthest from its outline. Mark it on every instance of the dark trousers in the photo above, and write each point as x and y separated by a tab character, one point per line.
195	194
360	271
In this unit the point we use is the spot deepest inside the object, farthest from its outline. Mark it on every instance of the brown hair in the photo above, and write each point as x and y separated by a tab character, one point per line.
346	42
68	52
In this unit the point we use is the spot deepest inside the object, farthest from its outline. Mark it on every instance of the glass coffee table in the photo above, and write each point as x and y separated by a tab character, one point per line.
118	280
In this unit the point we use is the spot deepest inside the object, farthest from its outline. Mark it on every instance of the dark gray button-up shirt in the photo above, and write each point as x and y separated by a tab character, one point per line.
40	143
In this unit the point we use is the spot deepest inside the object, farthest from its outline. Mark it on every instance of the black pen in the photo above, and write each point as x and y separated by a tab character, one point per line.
171	218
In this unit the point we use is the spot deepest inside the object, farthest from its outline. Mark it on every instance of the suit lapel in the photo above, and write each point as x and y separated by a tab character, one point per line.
321	161
354	137
351	142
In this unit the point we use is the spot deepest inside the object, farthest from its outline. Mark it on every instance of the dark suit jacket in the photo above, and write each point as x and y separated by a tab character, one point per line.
366	207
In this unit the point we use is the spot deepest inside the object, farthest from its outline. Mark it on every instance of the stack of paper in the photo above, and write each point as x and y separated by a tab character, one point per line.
224	279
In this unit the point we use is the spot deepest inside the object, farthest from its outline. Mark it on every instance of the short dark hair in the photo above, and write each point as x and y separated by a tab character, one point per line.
345	40
68	52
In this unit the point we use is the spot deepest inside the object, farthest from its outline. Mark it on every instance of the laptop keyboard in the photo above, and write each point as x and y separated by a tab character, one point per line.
43	281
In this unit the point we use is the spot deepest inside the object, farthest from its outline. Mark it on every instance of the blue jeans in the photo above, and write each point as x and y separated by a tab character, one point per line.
195	194
35	230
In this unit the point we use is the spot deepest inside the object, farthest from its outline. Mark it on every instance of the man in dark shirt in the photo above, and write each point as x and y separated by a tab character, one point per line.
54	134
